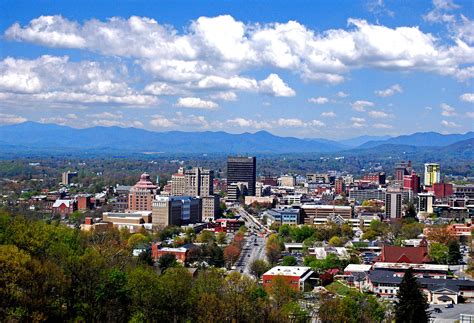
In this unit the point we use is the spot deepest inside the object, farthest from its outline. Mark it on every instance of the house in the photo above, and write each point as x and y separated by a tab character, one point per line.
228	225
385	283
411	255
64	207
181	253
323	252
299	278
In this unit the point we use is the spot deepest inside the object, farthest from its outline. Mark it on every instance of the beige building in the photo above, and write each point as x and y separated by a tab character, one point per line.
210	207
176	210
315	214
287	180
132	221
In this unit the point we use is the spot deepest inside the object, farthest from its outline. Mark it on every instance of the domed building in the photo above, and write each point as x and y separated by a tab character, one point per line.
142	194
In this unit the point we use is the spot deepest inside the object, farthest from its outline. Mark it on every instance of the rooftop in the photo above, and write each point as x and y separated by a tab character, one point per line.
288	271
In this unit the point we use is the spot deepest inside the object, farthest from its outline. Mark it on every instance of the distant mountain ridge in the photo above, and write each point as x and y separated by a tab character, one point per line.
426	139
32	136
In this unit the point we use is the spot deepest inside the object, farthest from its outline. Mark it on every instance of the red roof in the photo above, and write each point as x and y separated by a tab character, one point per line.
411	255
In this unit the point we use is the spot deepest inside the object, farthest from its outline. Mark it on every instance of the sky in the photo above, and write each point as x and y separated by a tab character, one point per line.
308	69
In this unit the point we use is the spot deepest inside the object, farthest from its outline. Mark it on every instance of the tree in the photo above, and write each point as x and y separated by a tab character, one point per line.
166	261
231	254
273	248
438	253
454	254
281	291
289	261
258	267
411	305
205	236
221	238
441	235
335	242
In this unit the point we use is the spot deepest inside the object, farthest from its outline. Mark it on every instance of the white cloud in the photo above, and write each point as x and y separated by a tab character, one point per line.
11	119
355	119
342	94
379	114
274	85
361	105
470	114
382	126
57	79
161	88
222	46
291	122
447	110
449	124
319	100
71	116
106	115
316	123
329	114
246	123
224	96
467	97
396	88
196	103
160	121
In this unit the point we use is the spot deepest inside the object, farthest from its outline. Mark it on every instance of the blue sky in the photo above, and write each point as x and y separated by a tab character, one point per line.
331	69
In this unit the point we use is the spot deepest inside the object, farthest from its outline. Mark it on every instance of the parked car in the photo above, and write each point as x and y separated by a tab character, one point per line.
449	306
438	310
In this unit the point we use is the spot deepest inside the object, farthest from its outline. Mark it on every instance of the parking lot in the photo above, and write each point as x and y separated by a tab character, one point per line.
450	314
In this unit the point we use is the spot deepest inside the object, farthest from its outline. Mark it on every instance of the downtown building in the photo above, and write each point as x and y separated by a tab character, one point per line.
197	182
176	210
142	194
242	170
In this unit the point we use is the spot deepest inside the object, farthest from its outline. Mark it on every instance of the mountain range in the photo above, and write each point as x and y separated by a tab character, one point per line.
37	137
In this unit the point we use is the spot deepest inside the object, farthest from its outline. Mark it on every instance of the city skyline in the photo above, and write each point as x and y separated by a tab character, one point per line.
370	67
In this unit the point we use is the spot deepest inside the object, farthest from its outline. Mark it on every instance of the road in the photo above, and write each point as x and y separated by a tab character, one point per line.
254	242
450	314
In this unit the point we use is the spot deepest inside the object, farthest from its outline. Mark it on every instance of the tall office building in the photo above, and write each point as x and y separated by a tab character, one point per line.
67	177
401	169
393	204
242	169
412	182
142	194
432	174
178	183
176	210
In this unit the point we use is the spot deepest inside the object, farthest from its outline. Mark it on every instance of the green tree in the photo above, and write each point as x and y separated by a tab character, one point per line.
335	242
289	261
454	253
166	261
411	306
221	238
258	267
439	253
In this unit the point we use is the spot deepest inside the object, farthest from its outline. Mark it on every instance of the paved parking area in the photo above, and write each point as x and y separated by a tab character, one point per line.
451	314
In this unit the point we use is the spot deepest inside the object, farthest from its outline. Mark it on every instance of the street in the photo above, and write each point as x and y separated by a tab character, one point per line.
254	242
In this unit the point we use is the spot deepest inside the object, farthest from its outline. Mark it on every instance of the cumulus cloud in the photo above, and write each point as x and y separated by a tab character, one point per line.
247	123
57	79
329	114
319	100
358	122
467	97
379	114
11	119
274	85
447	110
160	121
361	105
196	103
449	124
342	94
396	88
382	126
224	96
470	114
223	46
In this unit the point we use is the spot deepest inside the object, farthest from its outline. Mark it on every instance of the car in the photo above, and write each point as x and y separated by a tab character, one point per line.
438	310
248	255
449	306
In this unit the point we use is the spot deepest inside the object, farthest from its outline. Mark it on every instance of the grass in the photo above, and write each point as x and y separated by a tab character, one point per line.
338	288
